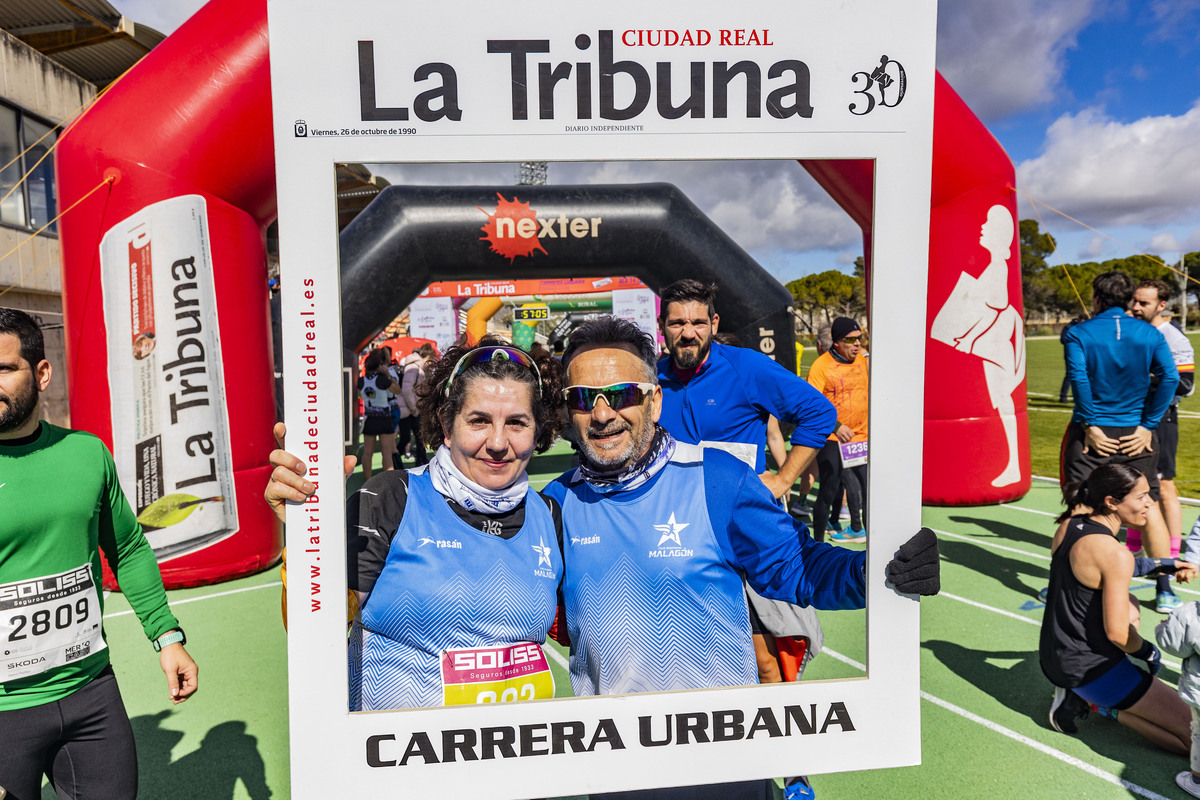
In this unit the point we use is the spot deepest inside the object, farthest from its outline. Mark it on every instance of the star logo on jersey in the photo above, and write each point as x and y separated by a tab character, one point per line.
543	552
670	531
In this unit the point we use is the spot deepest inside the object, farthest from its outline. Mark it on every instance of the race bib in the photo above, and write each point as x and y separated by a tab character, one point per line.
854	454
747	453
48	622
503	674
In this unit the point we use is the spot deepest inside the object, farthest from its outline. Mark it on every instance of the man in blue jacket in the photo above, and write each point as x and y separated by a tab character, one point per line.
720	396
658	534
1111	360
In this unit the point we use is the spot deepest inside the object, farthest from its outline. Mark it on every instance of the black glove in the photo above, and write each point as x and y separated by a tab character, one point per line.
915	569
1153	567
1149	653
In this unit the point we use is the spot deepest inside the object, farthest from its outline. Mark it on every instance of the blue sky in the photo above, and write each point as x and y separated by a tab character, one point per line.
1097	102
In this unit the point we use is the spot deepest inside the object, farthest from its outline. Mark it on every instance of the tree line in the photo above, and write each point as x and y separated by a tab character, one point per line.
822	297
1047	290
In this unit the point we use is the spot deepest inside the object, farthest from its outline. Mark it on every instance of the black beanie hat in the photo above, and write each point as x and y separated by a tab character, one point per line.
841	328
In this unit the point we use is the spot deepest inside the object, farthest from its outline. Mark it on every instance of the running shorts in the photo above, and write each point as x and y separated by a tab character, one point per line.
1119	688
378	424
1076	465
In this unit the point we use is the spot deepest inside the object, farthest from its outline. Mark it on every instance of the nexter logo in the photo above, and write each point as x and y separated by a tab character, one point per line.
514	229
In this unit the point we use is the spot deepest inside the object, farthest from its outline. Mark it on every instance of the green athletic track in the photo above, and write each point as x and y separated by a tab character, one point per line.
984	725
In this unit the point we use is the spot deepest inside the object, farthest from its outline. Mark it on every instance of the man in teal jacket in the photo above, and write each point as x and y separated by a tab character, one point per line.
1111	360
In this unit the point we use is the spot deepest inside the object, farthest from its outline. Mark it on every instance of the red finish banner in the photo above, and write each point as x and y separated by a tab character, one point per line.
520	288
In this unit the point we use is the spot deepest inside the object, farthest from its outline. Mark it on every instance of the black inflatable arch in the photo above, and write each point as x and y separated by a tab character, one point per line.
410	236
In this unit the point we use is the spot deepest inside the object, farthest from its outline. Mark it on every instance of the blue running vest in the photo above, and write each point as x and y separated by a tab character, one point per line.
447	585
652	602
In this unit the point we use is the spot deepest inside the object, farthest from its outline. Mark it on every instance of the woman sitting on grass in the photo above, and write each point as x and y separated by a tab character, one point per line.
1090	626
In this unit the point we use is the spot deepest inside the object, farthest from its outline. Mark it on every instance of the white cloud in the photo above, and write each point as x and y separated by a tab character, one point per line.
1178	20
1094	250
1165	243
1188	242
1004	58
1109	173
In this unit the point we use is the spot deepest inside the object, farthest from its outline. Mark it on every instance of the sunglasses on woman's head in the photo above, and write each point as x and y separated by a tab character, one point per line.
618	395
481	355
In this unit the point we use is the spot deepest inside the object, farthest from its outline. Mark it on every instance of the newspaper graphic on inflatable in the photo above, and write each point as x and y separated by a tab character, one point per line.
169	419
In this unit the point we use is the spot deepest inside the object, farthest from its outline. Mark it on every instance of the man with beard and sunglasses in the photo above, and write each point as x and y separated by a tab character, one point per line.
60	710
658	534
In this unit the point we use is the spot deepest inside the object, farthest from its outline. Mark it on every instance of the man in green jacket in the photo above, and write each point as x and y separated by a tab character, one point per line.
61	713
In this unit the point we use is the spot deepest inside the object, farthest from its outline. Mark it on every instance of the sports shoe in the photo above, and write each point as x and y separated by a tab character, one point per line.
844	514
1065	709
1187	781
850	536
1044	594
1166	602
800	790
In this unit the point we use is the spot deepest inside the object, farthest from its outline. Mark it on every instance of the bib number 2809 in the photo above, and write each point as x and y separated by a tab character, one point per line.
47	622
41	622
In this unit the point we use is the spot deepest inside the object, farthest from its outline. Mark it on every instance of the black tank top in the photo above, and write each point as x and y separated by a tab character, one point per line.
1074	649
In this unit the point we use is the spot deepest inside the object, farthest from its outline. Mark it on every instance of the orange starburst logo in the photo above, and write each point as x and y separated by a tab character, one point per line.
512	229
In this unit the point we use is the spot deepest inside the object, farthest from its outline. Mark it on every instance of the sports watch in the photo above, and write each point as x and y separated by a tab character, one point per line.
176	636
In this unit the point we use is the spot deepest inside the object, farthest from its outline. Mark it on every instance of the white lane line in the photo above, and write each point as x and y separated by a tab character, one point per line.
204	597
1090	769
993	609
1166	662
1030	510
558	657
993	545
1139	583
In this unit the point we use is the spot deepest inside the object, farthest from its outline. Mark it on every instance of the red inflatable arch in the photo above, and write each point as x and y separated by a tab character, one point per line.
190	125
976	420
175	170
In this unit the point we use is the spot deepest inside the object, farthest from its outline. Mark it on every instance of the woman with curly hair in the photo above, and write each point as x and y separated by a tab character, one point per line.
457	564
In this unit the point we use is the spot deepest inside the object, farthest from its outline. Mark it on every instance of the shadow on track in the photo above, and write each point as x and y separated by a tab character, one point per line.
1036	535
1022	687
1009	571
226	755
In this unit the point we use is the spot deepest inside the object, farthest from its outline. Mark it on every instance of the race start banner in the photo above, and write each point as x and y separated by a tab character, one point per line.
392	82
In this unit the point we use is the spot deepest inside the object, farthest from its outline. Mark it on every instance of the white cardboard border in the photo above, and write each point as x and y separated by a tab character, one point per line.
314	77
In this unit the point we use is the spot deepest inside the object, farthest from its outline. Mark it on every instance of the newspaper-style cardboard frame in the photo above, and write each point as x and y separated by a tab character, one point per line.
838	80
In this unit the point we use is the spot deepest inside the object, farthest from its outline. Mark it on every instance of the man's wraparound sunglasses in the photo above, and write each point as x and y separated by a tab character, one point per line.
618	395
480	355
